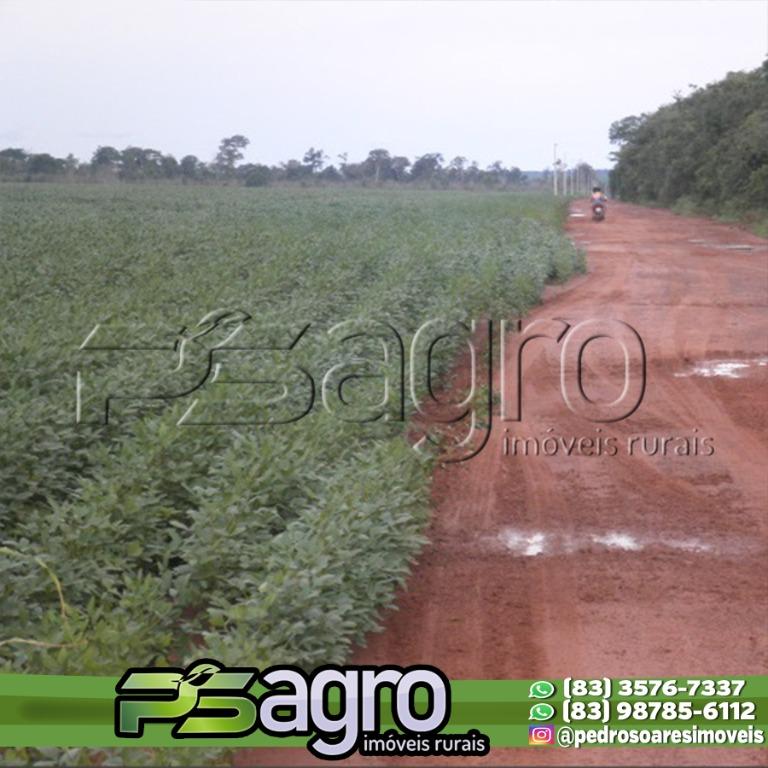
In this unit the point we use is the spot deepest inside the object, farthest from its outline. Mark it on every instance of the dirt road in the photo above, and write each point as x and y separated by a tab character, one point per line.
549	566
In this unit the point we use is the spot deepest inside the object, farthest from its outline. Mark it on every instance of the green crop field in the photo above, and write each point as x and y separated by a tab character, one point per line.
144	541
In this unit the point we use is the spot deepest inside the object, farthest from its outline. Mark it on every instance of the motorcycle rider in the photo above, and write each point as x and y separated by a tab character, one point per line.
597	203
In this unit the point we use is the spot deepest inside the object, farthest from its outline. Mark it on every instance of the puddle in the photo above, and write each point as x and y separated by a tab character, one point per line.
723	246
691	545
523	544
577	215
729	369
533	543
618	541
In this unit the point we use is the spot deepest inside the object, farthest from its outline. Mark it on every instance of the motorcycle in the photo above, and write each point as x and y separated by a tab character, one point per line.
598	210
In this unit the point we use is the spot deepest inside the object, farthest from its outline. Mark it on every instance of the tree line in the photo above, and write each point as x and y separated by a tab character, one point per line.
134	164
706	150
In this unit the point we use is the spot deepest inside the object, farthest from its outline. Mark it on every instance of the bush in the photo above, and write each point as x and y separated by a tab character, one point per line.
258	176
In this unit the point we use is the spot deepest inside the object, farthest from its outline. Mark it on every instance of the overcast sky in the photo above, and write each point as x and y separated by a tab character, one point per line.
491	81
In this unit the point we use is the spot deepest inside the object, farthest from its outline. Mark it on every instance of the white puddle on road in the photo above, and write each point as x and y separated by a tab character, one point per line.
616	540
524	544
532	543
721	246
729	369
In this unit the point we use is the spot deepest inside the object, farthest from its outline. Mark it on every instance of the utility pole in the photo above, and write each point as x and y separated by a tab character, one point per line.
565	175
554	170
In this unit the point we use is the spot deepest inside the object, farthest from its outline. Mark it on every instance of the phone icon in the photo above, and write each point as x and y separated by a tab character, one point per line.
541	711
541	689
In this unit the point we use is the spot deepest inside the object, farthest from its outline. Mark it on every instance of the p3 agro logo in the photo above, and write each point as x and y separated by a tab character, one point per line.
338	708
229	373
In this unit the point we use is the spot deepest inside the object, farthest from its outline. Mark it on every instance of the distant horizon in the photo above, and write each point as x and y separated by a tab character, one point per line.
330	161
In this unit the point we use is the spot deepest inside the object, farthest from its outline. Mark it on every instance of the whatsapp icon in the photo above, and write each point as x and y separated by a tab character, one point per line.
541	711
542	689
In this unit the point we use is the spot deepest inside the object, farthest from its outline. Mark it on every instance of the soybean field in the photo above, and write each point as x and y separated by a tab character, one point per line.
184	525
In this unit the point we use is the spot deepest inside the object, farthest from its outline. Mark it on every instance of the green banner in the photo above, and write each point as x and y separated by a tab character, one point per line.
74	711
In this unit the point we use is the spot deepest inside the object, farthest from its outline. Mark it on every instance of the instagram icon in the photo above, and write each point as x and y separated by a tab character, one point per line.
539	735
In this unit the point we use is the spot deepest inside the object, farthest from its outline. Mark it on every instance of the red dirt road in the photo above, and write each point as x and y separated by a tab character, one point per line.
587	566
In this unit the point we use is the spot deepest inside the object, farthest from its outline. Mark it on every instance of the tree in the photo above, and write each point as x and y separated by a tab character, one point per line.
230	153
426	166
399	167
139	163
494	173
12	161
293	170
13	154
106	162
44	164
257	175
707	149
314	159
625	129
354	171
189	168
457	168
378	164
515	176
106	158
330	173
473	173
170	166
